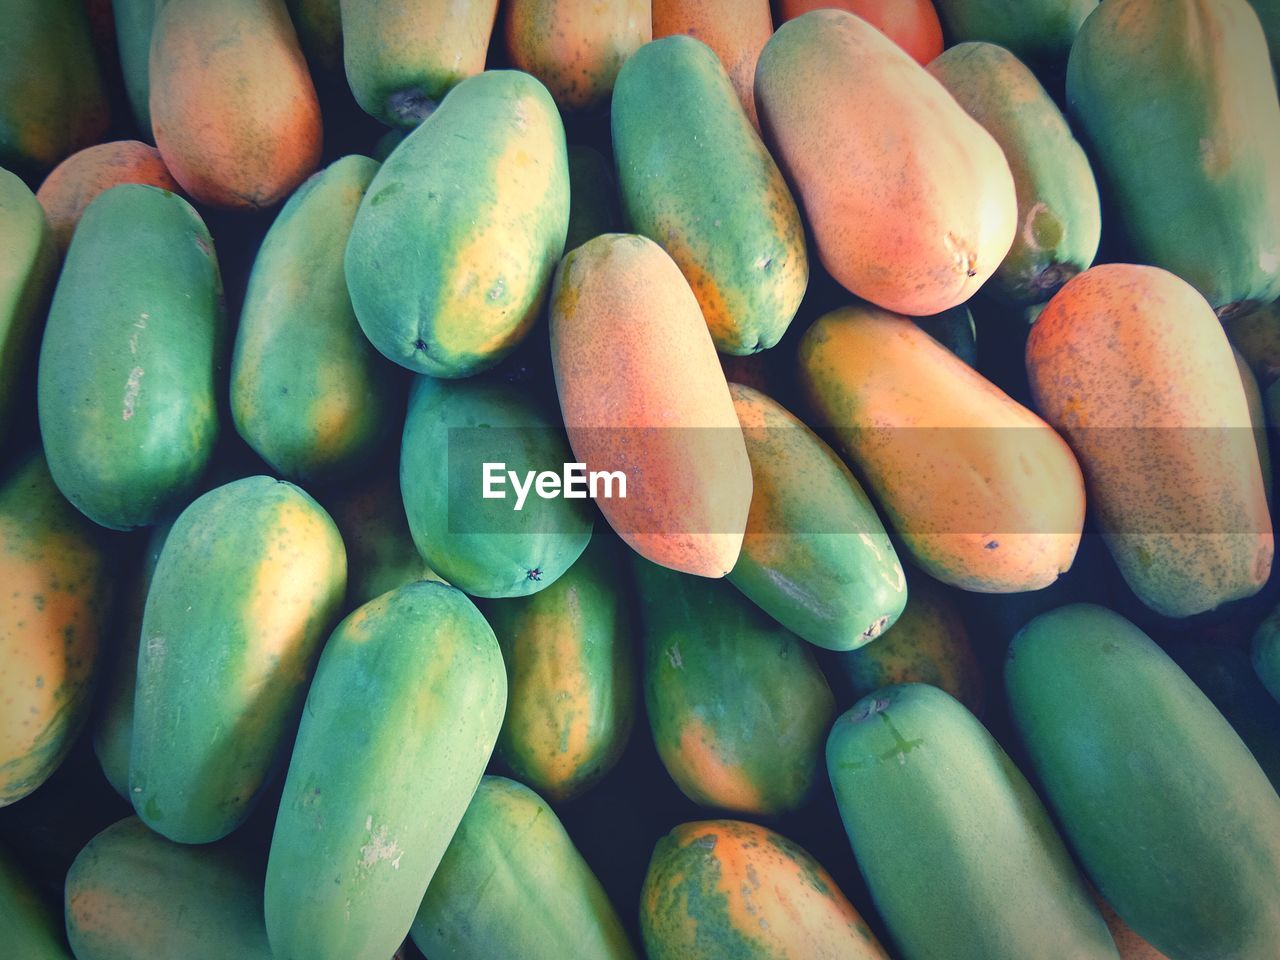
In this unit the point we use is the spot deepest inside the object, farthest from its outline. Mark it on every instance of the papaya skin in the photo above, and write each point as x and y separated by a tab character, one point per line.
233	108
911	202
911	24
134	22
30	927
1035	31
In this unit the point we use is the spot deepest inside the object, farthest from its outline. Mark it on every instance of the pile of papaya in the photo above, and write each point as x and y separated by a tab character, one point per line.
919	361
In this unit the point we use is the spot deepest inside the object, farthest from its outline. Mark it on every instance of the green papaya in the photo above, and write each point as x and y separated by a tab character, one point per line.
319	26
1264	651
593	197
736	236
247	583
134	20
28	927
1134	759
960	856
1037	31
512	884
130	423
308	392
737	704
400	721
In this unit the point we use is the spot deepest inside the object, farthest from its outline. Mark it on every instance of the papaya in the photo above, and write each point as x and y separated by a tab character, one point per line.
737	237
247	583
134	22
485	546
76	181
308	392
233	109
27	275
52	98
1256	335
593	197
737	704
1178	104
1133	759
1264	651
735	30
1059	212
815	556
726	888
955	330
911	24
1258	419
130	424
571	677
953	843
641	392
453	246
983	494
28	927
319	26
1035	31
512	884
1131	365
131	893
911	202
400	721
53	611
575	47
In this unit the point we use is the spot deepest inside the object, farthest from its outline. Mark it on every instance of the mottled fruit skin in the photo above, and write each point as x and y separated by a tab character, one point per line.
28	927
641	391
454	244
134	22
910	200
129	423
512	884
815	555
1177	103
1035	31
984	495
937	814
402	58
131	893
1131	365
1264	651
53	609
571	675
725	888
233	109
575	47
399	724
737	705
737	237
308	391
593	197
911	24
1133	758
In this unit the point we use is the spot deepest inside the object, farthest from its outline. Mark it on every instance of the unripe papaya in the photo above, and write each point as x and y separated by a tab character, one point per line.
28	927
134	21
911	24
1035	31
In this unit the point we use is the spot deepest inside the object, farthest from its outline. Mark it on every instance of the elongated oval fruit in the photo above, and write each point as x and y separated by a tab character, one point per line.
512	884
308	391
399	724
951	839
737	705
454	243
571	678
1132	366
815	555
130	424
737	236
233	108
642	392
248	582
725	888
1037	31
911	24
911	202
1177	101
28	927
982	492
1059	213
53	609
593	196
402	58
1134	759
134	22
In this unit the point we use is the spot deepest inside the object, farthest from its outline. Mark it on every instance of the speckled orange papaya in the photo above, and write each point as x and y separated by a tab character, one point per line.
911	24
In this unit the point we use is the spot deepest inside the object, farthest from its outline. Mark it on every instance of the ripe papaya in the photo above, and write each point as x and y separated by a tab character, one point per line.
911	201
233	109
951	839
512	884
1035	31
1134	759
134	22
725	888
28	927
593	197
1132	366
815	555
319	26
911	24
130	424
400	721
737	237
982	492
641	392
1177	101
454	243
